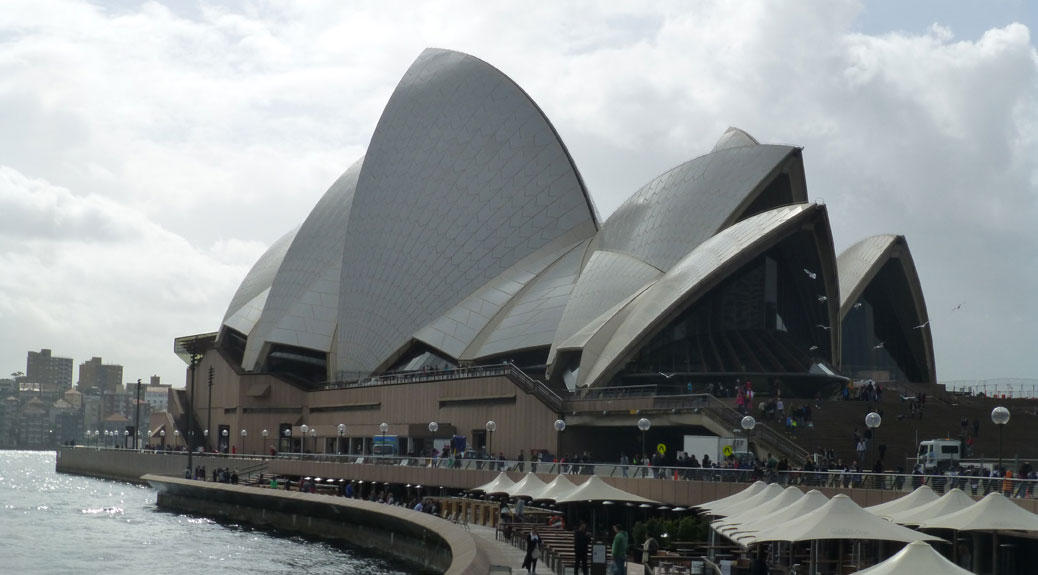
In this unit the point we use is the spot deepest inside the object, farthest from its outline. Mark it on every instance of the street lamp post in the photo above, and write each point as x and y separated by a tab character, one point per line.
313	438
265	434
1000	417
288	436
644	424
126	438
302	442
162	435
341	431
491	428
244	434
137	415
383	427
176	438
560	426
872	421
205	435
433	428
226	439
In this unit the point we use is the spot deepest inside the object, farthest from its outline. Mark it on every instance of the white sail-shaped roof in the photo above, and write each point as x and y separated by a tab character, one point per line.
464	177
687	280
246	306
303	304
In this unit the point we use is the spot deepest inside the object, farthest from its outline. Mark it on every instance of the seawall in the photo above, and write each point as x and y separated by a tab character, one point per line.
427	543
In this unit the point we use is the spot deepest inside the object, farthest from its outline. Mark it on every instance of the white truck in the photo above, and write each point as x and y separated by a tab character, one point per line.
713	446
937	455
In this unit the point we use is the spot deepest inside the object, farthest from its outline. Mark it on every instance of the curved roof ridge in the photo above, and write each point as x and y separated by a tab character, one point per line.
259	278
534	313
302	306
734	138
687	281
859	263
688	204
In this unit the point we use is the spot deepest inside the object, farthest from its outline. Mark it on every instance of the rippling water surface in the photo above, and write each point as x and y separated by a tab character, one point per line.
54	524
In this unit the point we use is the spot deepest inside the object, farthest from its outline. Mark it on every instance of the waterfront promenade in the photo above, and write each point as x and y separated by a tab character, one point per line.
692	488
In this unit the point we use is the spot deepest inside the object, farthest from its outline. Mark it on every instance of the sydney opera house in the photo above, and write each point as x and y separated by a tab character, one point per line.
459	273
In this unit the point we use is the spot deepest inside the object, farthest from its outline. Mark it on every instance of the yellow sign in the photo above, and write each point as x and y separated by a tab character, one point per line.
662	449
727	451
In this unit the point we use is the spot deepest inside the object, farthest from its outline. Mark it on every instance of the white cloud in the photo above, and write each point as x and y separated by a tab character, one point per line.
152	151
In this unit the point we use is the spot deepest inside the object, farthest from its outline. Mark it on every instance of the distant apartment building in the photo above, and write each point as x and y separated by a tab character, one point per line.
96	377
157	396
52	371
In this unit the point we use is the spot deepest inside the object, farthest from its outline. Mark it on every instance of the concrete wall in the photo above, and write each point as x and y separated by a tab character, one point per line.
427	543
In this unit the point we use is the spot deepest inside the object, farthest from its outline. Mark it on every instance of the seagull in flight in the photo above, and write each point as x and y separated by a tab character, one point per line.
812	348
822	298
810	273
825	327
667	375
856	305
922	325
957	307
881	345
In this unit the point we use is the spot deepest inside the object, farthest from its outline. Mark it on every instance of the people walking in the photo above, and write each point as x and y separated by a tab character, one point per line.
619	550
533	547
580	545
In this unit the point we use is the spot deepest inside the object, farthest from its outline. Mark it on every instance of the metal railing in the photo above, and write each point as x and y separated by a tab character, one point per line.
509	370
900	482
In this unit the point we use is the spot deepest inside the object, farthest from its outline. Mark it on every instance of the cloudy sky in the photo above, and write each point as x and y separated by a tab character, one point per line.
150	152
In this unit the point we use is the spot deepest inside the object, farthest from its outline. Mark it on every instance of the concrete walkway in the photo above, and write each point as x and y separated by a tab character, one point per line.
503	554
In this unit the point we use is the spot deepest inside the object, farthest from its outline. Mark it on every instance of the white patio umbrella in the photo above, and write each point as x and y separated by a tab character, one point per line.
920	496
994	513
771	491
787	497
916	558
750	491
595	490
556	489
747	532
527	487
840	519
952	501
498	485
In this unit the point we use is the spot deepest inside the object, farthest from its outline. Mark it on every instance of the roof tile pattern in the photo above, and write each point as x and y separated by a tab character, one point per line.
302	307
464	177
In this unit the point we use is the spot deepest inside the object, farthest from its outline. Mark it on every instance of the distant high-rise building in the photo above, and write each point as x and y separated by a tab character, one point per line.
157	396
54	372
95	377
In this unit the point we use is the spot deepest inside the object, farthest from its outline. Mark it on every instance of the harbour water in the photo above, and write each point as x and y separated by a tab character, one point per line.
53	523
